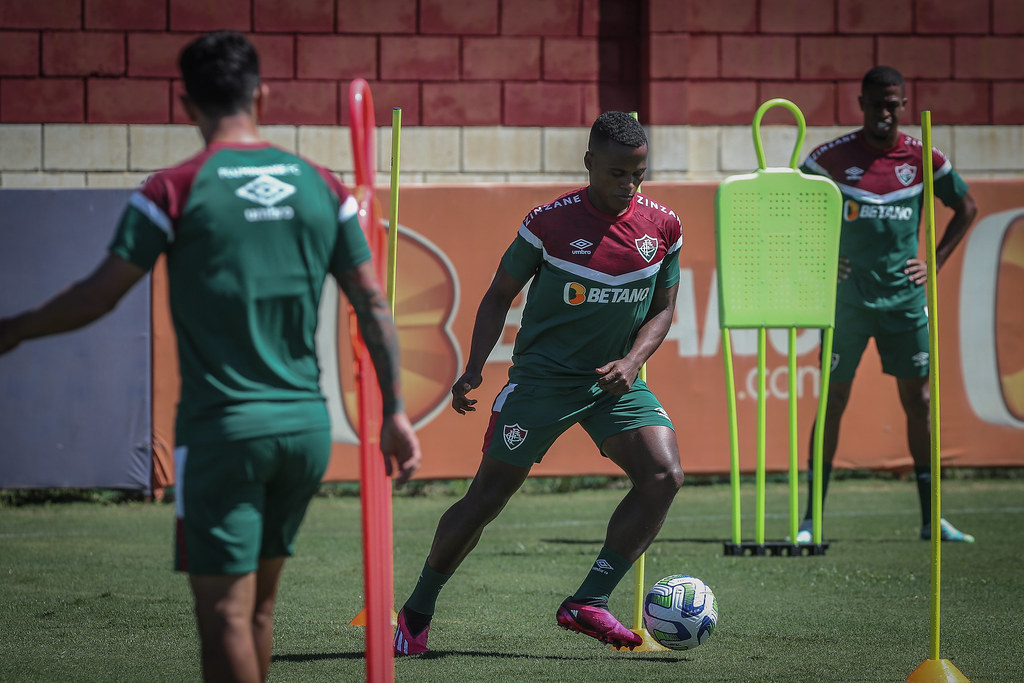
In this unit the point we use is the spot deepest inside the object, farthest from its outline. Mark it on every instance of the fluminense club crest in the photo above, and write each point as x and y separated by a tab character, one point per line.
514	436
647	246
905	173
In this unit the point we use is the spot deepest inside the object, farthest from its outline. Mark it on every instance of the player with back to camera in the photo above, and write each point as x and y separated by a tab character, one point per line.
881	291
605	267
252	433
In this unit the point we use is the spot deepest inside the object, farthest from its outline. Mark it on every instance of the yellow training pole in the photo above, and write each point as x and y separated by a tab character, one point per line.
734	449
794	468
639	591
933	669
819	434
396	136
762	425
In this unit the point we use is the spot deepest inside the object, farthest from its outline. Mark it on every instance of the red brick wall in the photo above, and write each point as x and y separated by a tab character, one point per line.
521	62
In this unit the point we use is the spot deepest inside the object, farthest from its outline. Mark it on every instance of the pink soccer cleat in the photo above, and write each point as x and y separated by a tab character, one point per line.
405	642
596	623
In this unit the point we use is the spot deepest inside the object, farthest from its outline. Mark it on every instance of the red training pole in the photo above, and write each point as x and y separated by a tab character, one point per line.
375	485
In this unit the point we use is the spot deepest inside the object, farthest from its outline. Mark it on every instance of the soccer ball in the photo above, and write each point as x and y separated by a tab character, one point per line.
681	612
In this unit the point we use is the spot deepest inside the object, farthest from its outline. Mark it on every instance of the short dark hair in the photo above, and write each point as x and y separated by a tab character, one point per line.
617	126
882	77
221	71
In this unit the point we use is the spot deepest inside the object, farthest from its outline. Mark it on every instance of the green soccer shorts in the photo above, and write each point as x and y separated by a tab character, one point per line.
240	501
901	337
526	419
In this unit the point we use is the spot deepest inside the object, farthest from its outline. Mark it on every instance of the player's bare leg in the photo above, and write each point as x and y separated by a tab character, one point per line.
459	529
838	398
915	396
458	532
268	578
650	458
224	606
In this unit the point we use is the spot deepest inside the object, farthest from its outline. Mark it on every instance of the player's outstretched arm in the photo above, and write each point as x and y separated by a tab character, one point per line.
80	304
618	376
490	322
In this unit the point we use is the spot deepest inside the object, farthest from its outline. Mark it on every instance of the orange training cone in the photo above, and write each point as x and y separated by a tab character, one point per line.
360	619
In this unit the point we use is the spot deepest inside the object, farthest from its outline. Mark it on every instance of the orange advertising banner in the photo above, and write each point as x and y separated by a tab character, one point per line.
451	239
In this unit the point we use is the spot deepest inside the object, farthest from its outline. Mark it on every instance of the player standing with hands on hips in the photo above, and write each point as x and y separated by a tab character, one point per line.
252	433
881	291
605	267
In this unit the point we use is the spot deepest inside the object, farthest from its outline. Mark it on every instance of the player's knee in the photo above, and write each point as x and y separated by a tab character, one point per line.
919	409
916	401
668	480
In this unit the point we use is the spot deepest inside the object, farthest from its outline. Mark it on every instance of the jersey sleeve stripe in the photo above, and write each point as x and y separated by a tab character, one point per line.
530	238
677	246
148	208
349	208
811	165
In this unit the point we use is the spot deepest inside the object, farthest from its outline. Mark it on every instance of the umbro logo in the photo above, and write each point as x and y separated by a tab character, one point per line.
854	174
920	359
602	566
581	246
266	190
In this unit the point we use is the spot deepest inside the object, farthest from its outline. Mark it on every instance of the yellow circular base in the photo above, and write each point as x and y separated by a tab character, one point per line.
937	671
649	644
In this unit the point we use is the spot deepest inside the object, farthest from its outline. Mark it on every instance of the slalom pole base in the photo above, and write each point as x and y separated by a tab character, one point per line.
649	644
937	671
360	619
774	548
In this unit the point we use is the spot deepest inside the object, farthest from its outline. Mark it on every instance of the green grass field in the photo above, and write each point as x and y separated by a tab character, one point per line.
87	594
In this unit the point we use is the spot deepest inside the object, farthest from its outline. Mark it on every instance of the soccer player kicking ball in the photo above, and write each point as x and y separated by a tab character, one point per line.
605	267
881	291
253	438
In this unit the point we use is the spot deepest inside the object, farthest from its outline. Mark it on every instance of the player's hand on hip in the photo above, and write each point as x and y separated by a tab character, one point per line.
844	269
917	271
463	385
617	377
398	441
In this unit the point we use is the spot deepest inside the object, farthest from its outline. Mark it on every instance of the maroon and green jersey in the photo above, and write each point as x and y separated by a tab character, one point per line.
593	277
883	192
250	233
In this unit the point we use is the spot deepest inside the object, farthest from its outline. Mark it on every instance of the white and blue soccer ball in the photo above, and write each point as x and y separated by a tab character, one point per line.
681	612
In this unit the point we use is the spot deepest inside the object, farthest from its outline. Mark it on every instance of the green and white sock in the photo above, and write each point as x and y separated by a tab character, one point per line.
608	570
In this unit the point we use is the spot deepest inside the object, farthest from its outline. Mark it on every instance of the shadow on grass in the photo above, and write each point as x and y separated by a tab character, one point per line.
316	656
874	540
599	542
667	658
